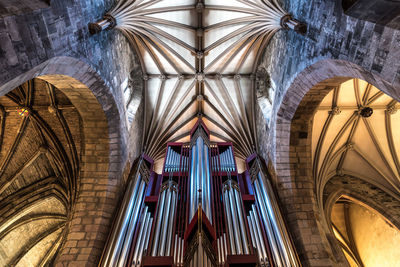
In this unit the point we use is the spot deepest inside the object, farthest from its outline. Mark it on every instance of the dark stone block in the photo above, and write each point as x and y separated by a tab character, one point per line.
377	11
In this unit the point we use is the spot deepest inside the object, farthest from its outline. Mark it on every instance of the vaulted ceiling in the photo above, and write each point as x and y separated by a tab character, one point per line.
356	132
365	236
199	60
40	142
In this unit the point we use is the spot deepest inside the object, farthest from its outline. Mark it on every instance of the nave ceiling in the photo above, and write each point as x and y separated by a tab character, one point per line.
40	143
199	59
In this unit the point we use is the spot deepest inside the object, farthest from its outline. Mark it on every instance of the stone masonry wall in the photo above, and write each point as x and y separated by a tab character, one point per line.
331	35
55	40
335	46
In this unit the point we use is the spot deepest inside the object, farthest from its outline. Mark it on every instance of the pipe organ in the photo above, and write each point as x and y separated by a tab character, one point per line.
269	215
199	212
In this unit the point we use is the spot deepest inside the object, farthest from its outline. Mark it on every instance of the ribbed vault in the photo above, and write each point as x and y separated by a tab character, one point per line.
351	221
356	132
40	143
198	59
356	140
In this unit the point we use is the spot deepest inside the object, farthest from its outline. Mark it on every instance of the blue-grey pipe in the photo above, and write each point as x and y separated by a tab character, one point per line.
158	224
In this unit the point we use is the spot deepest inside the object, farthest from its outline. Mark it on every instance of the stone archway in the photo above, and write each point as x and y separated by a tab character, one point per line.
315	244
103	156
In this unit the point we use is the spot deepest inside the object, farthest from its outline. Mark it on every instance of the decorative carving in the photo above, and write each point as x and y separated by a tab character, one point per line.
365	112
391	110
263	84
200	77
335	111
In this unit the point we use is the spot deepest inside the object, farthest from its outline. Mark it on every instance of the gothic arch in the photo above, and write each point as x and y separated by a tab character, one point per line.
315	243
354	189
103	156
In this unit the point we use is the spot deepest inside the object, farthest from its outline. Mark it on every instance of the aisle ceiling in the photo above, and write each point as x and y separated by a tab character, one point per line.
351	221
346	142
40	142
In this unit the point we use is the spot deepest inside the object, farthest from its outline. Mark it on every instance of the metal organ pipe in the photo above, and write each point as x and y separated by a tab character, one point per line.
252	236
165	220
142	238
278	237
132	224
170	224
229	219
200	179
239	248
193	182
207	183
232	160
268	225
158	224
236	225
123	222
146	239
172	161
163	238
256	232
238	201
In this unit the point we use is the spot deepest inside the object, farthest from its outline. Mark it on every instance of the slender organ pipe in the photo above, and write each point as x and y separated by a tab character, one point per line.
243	232
281	245
142	238
170	224
236	224
200	188
268	224
257	237
118	245
230	227
239	245
165	220
132	224
158	224
172	160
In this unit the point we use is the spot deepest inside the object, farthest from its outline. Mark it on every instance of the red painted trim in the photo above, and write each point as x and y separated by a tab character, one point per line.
198	123
192	227
248	198
244	260
250	158
150	261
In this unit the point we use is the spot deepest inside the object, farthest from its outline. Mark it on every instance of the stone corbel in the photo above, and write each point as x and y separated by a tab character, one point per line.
288	22
108	22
